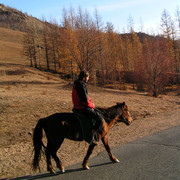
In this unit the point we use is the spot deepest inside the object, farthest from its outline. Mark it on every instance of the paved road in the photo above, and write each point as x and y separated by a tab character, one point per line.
154	157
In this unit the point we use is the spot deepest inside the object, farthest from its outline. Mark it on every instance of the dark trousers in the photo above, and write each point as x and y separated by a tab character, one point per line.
93	114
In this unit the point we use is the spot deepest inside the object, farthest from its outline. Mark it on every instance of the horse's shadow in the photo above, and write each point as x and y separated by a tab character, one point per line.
43	175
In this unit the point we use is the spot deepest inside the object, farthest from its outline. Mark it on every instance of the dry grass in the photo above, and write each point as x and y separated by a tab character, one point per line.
26	97
27	94
11	47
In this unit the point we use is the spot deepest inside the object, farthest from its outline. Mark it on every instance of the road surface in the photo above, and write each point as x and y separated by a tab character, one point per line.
154	157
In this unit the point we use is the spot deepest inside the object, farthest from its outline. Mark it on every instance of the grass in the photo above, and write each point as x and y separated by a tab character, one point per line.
11	47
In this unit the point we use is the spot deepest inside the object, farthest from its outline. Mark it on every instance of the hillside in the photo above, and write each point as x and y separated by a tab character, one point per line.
11	47
13	25
14	19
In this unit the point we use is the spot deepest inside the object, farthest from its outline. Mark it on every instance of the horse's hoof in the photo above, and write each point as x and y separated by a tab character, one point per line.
52	171
86	167
63	170
116	161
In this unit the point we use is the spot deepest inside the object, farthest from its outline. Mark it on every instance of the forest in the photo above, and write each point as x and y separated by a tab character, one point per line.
147	62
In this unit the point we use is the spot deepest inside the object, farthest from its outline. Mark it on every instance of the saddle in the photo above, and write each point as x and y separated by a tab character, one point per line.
86	124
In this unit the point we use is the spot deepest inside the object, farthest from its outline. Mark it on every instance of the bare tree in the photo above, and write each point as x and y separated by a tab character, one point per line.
155	66
33	39
169	31
28	48
100	48
178	44
46	42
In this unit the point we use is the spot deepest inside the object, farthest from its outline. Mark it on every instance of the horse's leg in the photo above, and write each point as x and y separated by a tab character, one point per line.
58	162
89	152
55	157
48	159
51	150
108	149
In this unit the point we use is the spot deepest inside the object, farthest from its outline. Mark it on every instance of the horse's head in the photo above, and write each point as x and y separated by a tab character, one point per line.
125	117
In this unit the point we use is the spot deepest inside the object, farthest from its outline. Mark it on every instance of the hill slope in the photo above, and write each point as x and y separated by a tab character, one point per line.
14	19
11	47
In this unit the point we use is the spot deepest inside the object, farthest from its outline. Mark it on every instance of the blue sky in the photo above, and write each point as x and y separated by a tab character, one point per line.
145	13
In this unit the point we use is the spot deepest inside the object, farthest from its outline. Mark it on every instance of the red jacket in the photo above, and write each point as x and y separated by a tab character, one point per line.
80	96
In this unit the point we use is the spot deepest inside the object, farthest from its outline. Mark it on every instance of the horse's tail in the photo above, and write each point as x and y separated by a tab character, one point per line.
37	142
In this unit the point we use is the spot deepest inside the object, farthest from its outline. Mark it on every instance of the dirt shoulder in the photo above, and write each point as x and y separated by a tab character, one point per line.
26	95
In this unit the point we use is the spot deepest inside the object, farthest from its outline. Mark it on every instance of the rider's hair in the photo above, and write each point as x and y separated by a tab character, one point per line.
83	74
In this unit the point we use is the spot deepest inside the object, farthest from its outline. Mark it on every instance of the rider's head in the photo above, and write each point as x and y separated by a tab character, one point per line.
83	75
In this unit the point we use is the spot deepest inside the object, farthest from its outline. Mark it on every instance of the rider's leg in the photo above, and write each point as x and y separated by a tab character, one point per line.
96	116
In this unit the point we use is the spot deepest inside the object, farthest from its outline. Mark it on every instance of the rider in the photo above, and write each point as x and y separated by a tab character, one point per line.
83	105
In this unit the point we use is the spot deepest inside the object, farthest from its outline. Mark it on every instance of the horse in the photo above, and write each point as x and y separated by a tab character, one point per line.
59	126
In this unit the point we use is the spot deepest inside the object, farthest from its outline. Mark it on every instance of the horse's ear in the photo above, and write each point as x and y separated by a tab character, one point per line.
117	103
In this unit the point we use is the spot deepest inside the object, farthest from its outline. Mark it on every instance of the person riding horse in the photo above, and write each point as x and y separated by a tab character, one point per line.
84	106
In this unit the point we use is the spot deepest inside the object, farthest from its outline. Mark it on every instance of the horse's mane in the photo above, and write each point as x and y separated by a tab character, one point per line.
111	112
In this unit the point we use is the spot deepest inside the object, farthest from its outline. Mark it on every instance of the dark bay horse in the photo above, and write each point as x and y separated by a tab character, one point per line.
59	126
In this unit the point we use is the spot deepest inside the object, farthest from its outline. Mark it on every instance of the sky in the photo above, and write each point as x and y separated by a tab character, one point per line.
146	14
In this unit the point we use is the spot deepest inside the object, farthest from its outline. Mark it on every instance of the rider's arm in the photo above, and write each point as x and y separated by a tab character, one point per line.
82	92
83	95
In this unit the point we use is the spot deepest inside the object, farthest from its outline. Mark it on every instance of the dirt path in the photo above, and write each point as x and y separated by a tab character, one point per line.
26	95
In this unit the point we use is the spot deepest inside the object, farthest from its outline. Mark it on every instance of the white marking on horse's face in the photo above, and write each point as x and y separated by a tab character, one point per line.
126	115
